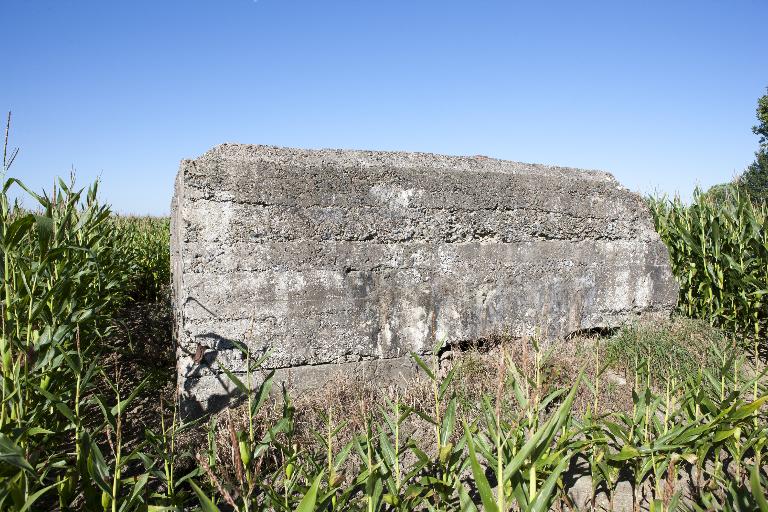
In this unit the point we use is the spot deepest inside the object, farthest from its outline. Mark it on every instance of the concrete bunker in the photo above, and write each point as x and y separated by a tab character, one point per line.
332	260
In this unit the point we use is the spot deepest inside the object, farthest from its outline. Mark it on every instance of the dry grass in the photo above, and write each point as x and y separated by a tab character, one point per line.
351	404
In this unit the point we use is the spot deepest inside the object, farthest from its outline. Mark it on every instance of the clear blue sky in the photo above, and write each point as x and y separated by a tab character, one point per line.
662	94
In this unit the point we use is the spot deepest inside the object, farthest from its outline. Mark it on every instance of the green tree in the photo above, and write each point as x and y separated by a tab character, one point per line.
718	194
762	117
755	178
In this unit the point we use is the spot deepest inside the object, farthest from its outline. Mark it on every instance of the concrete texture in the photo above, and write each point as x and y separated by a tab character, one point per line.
327	257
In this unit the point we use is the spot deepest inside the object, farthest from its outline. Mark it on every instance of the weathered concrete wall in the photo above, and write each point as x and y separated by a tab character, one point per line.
327	257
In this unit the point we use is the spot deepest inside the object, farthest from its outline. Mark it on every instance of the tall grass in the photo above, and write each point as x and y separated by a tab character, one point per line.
718	247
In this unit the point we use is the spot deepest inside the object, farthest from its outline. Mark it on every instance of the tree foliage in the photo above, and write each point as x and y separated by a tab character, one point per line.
762	116
754	180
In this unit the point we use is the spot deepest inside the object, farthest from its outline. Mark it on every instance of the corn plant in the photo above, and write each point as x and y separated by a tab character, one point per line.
528	454
161	456
719	254
60	286
146	241
696	423
439	474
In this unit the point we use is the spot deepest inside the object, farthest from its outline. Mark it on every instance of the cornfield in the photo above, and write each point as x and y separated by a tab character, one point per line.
70	266
718	247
